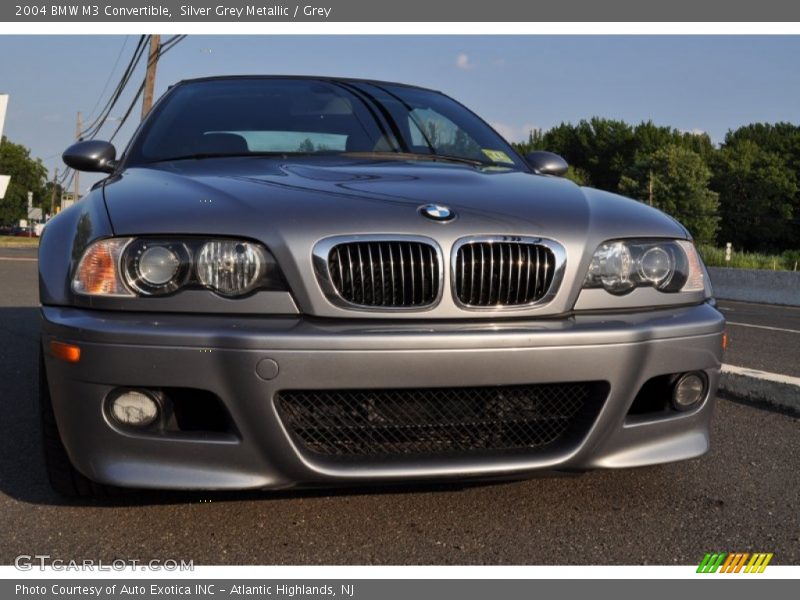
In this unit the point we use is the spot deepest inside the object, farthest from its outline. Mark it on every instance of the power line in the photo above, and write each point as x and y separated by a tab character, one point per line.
66	185
127	112
63	177
163	49
171	42
93	128
110	75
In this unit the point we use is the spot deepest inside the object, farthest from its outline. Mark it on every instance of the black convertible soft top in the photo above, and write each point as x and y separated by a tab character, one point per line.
305	77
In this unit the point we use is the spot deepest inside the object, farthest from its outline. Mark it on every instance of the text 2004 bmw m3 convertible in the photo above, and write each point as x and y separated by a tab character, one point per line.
290	281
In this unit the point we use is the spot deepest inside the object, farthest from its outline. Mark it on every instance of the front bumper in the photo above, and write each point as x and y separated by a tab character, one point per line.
220	354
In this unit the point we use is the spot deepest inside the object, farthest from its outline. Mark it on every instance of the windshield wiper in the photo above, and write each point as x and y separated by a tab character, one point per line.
398	155
202	155
434	157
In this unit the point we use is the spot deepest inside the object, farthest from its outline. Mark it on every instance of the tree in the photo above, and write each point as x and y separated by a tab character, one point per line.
782	139
306	146
26	174
535	141
758	197
578	175
431	133
755	174
601	148
463	145
679	180
51	197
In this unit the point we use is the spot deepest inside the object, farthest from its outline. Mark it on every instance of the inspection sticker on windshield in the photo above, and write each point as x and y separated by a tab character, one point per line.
497	156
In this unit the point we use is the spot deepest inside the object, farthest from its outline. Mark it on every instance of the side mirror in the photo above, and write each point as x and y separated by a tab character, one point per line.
91	155
547	163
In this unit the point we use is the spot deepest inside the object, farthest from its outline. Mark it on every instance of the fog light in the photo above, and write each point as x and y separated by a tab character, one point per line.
689	391
134	409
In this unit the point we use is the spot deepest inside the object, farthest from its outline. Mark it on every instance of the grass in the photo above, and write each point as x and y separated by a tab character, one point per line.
715	257
7	241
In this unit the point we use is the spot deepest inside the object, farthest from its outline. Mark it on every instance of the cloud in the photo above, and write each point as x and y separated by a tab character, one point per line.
462	62
512	133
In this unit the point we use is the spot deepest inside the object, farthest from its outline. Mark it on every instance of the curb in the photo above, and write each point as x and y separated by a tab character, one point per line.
780	392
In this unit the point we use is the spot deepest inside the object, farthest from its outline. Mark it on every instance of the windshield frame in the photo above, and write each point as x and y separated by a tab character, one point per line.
132	156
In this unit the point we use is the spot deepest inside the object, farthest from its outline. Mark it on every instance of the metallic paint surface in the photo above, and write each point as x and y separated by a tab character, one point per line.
209	353
197	339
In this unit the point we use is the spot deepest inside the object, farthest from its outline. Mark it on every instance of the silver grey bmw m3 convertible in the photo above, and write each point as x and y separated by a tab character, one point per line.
293	281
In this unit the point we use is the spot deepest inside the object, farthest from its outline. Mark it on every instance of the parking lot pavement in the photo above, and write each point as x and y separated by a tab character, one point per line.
763	336
741	496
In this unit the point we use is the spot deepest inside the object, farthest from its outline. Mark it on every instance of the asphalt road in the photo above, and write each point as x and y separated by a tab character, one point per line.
764	337
741	496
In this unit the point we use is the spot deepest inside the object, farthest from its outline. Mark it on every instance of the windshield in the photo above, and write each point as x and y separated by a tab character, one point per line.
235	117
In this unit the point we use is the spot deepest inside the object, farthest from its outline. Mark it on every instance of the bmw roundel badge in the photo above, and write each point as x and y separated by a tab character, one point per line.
437	212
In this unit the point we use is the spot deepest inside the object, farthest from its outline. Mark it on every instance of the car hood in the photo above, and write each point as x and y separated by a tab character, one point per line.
289	205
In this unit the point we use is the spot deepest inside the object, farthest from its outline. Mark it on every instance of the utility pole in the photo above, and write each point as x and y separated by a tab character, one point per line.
53	193
651	187
150	77
77	177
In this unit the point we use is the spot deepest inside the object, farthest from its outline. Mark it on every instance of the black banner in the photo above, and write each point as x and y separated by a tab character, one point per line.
406	11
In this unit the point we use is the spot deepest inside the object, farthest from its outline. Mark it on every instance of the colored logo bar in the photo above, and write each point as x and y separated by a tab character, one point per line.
735	562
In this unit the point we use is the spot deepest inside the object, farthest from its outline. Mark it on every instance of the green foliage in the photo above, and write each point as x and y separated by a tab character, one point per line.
602	148
7	241
782	139
758	197
577	175
26	174
751	198
675	179
462	145
536	141
715	257
306	146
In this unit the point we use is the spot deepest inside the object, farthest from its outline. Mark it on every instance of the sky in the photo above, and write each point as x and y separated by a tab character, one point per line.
694	83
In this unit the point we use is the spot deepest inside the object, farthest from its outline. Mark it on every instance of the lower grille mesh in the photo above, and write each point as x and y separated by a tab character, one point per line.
435	421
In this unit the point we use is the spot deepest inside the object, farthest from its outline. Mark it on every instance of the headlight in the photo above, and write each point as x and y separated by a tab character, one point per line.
622	265
158	267
231	268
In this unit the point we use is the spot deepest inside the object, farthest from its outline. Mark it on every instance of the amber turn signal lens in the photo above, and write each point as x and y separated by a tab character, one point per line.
725	341
98	271
66	352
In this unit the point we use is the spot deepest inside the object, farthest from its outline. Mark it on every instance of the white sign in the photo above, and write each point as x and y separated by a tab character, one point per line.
3	106
35	214
67	199
4	179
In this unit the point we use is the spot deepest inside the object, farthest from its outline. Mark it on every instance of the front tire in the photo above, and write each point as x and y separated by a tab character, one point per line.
64	478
